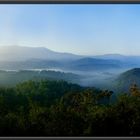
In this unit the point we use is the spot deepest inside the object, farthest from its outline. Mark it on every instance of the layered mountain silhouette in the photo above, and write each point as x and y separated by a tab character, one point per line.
112	71
17	57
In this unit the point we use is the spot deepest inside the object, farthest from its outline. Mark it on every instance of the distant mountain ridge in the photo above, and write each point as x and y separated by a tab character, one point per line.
90	64
26	53
19	57
18	53
111	56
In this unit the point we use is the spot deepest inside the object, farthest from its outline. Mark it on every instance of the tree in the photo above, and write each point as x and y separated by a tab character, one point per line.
134	90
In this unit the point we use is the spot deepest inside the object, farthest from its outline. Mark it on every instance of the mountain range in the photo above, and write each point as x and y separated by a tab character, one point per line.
17	57
21	53
111	71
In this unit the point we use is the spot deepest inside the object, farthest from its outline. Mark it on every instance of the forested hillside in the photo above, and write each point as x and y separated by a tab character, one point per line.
58	108
126	79
11	78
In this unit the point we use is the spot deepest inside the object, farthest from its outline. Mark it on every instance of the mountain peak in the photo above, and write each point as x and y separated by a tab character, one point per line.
22	53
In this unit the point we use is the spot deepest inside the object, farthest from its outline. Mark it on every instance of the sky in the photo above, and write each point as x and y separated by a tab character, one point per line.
93	29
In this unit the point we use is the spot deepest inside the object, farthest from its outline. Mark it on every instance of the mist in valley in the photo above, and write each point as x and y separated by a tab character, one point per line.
100	71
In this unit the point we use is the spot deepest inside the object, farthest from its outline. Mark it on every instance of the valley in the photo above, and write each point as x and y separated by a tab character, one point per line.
104	72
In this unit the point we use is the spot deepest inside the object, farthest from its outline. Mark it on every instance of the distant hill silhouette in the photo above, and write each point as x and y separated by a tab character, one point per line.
126	79
21	53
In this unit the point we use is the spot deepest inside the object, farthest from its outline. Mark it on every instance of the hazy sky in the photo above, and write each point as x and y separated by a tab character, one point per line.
80	29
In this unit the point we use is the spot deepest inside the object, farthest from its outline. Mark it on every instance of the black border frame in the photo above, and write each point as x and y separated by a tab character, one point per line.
69	1
71	138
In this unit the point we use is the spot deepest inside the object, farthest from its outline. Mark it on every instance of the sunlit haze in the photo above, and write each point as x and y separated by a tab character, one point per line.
79	29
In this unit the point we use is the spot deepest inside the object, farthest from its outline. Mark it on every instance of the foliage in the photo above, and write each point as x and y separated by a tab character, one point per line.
58	108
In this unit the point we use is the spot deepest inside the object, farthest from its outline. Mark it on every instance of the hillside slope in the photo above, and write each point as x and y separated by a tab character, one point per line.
126	79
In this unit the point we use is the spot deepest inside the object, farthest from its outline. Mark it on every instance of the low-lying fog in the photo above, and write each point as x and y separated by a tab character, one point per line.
99	79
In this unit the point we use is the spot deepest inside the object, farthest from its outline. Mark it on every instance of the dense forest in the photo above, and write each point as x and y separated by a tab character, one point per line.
58	108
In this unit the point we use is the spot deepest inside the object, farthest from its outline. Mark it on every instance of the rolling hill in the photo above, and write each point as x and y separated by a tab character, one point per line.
126	79
11	78
93	64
